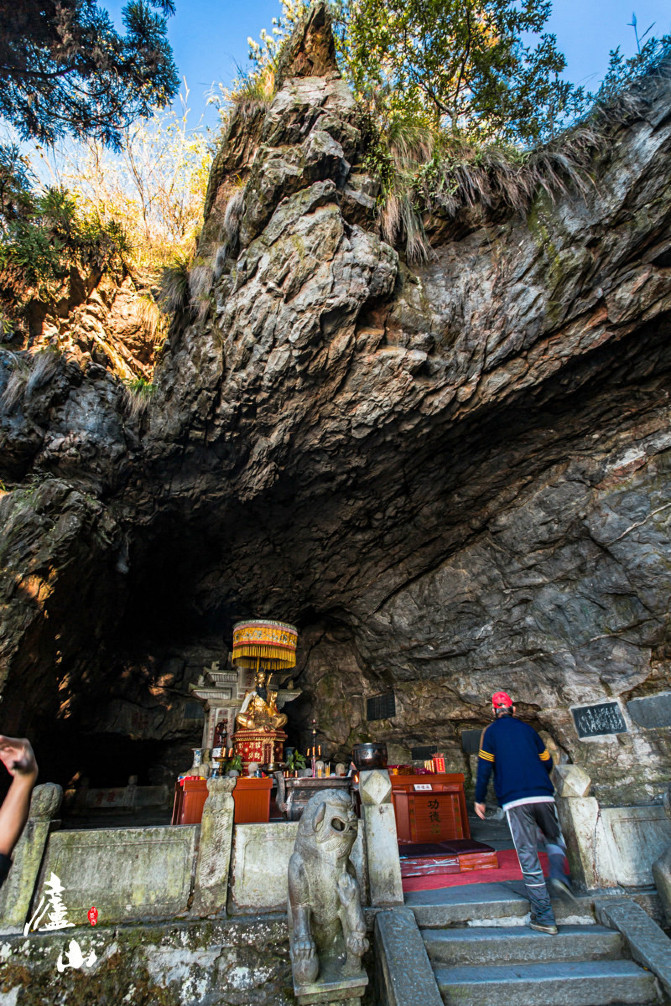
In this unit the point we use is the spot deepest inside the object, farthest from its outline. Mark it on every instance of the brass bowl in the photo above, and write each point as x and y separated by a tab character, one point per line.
370	755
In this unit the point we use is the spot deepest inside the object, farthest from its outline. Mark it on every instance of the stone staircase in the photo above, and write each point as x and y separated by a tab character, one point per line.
482	952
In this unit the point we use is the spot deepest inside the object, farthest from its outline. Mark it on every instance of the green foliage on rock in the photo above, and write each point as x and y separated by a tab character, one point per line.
40	245
652	61
138	395
465	66
463	104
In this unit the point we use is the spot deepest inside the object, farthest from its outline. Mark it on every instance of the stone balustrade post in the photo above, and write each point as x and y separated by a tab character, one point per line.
578	815
384	864
661	868
17	891
214	851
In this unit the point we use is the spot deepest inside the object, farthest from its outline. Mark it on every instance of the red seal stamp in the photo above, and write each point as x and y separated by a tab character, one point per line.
92	915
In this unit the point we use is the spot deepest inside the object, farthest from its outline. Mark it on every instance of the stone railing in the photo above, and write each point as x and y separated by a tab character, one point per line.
190	871
608	846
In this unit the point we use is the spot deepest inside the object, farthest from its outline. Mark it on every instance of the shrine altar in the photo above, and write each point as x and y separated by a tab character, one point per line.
260	745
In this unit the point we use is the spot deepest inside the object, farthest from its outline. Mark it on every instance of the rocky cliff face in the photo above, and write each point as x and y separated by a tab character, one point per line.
452	476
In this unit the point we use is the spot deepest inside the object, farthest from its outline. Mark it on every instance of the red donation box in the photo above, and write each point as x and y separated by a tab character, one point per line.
430	808
251	798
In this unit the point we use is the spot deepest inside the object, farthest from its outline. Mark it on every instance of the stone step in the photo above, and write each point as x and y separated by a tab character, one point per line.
484	904
518	944
587	983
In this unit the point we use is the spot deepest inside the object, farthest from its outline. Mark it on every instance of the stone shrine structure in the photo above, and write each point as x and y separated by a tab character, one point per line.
223	692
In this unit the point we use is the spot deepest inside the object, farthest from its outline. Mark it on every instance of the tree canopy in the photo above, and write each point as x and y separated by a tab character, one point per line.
479	68
65	69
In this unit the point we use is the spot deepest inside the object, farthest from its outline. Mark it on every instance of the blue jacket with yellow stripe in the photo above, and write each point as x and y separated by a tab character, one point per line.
520	761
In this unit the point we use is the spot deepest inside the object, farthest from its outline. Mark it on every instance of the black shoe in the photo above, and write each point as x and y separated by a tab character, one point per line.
542	927
562	887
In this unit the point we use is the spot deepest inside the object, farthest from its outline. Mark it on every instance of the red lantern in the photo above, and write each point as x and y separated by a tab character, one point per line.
92	915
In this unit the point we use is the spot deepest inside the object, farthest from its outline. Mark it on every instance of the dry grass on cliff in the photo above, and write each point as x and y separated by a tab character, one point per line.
188	281
496	177
174	284
251	91
152	318
16	383
29	374
429	173
137	396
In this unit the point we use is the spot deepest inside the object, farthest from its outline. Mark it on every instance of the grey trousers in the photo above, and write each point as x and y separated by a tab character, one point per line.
525	822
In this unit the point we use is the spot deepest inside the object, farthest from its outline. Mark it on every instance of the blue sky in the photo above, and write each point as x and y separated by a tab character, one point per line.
209	36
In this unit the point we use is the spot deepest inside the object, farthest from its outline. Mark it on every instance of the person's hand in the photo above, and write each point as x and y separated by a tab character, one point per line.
480	810
17	755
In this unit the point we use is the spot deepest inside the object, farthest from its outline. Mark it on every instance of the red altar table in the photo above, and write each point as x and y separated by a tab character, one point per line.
250	796
430	808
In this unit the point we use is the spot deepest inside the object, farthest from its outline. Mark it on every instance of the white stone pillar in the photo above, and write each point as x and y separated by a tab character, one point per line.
578	815
661	868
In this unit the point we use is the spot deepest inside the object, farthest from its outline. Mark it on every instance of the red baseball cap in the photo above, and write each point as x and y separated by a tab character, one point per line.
501	700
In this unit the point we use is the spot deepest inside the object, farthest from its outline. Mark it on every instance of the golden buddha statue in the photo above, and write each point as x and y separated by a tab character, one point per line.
259	707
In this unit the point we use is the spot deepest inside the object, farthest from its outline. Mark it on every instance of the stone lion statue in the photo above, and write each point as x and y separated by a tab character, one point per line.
325	912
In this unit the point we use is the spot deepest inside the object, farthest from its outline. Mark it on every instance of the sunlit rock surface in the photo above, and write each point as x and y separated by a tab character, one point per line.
452	476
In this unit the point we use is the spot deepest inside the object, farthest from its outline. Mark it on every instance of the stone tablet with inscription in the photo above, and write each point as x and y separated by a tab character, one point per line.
598	720
470	741
651	711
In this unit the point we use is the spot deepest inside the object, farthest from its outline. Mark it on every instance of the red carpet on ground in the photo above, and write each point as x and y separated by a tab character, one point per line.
509	869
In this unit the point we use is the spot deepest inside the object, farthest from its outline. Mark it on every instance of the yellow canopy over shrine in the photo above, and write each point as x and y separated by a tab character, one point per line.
272	644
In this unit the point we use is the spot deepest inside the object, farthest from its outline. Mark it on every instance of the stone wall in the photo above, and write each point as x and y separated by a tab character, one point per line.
608	846
129	874
220	963
133	875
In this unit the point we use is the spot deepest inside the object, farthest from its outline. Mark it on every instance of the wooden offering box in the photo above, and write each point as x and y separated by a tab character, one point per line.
252	800
430	808
190	795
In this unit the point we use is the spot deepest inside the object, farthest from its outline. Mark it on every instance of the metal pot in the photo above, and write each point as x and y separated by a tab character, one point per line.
371	755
